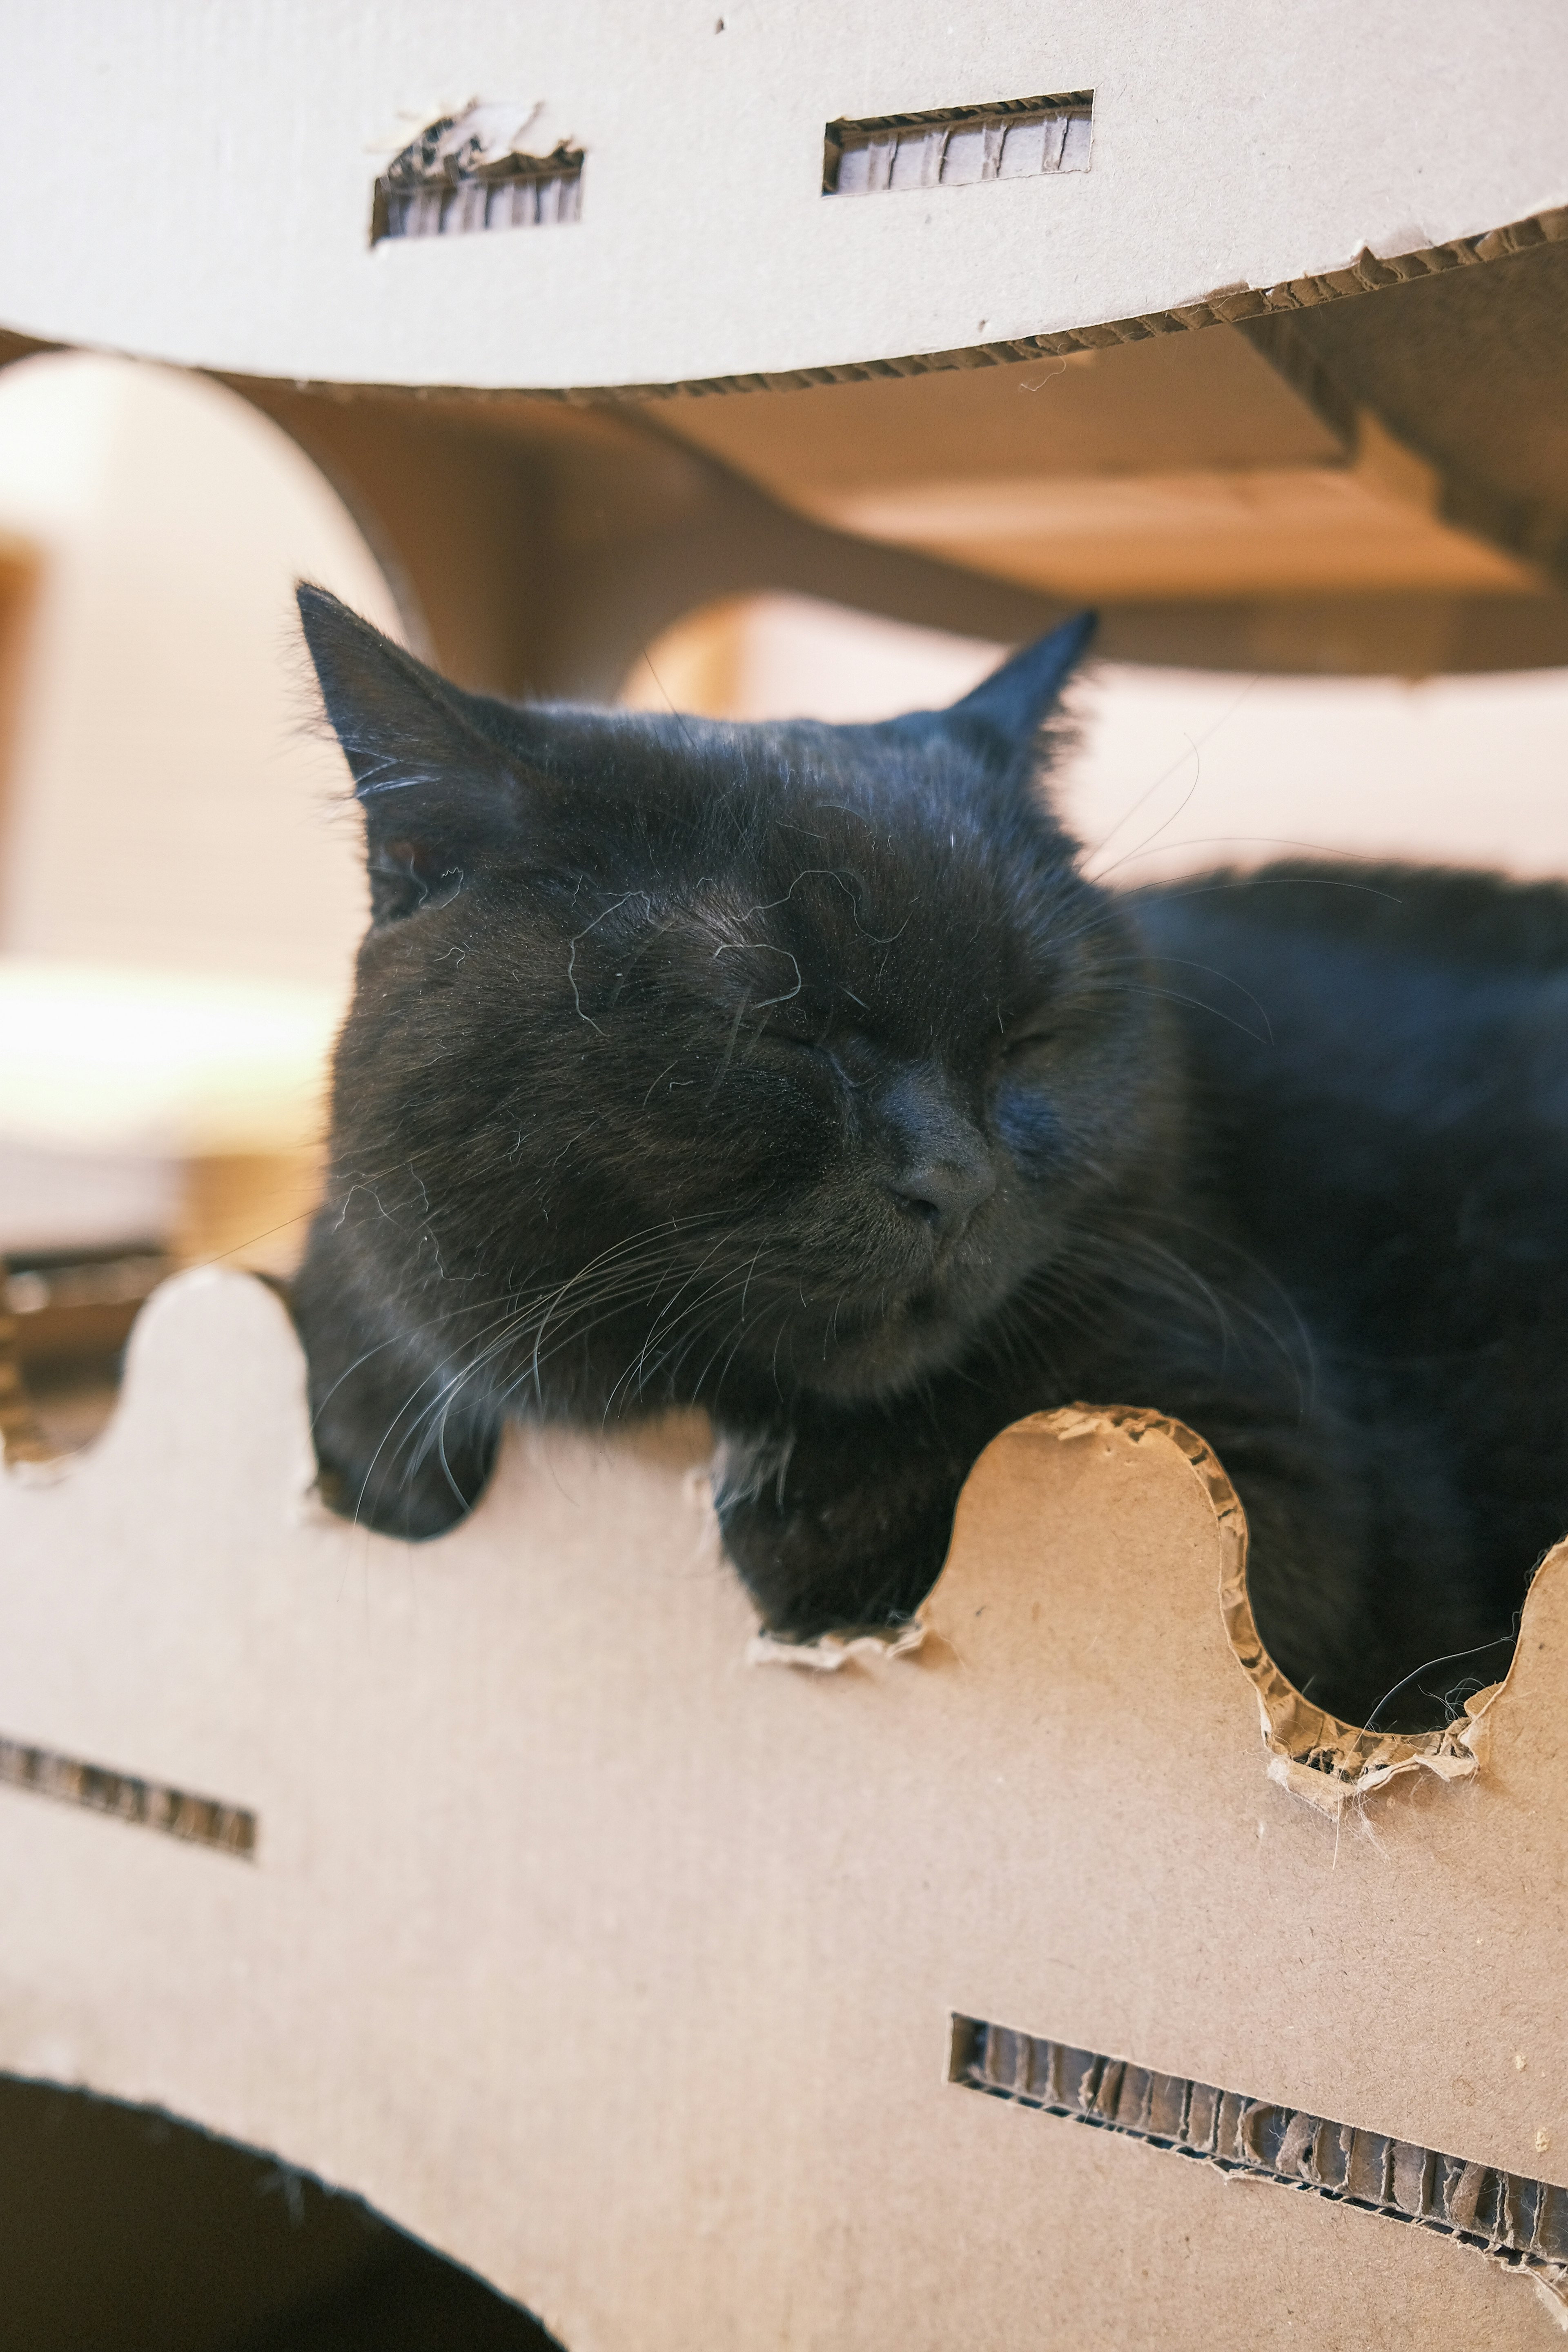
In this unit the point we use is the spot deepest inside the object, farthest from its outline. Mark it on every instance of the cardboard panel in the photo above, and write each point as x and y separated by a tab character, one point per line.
1180	467
1231	147
623	1968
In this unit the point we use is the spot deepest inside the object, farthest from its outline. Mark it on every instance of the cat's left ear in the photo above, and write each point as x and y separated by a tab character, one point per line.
1006	711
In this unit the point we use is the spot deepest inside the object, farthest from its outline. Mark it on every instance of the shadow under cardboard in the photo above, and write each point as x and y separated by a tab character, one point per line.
124	2230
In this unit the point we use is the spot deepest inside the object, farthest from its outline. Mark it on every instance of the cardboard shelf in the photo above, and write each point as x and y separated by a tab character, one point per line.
1368	208
625	1973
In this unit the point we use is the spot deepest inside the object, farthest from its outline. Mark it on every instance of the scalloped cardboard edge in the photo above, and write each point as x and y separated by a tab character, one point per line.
624	1974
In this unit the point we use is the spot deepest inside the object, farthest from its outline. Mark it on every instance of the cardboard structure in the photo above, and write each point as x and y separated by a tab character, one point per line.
1223	152
508	1881
1315	274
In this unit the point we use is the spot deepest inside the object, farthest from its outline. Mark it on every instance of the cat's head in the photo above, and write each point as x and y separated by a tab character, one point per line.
792	1051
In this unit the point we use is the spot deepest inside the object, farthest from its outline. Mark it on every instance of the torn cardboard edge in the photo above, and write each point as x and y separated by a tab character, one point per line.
1520	2223
830	1652
476	169
1228	306
1312	1754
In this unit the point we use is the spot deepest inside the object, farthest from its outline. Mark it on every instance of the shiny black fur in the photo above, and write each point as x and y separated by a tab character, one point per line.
798	1072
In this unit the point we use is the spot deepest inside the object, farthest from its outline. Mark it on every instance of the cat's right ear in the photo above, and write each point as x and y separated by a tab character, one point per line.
437	788
1003	714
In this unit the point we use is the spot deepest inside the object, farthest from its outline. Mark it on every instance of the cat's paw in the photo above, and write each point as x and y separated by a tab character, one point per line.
854	1562
412	1500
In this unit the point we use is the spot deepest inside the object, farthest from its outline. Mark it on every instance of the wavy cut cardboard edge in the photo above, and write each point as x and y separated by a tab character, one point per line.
1327	1763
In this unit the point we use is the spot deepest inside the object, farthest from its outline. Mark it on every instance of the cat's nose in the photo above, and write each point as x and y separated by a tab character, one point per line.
945	1193
937	1168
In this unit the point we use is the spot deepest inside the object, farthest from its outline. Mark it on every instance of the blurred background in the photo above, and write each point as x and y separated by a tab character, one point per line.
179	885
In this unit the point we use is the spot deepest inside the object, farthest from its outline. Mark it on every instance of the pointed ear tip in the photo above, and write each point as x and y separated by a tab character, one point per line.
333	632
1067	643
317	609
317	603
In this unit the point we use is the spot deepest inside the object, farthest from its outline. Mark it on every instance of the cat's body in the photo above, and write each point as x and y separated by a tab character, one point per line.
1386	1122
796	1072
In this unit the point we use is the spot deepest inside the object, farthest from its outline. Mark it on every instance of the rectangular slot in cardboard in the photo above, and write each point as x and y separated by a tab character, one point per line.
1518	2222
447	183
201	1820
958	146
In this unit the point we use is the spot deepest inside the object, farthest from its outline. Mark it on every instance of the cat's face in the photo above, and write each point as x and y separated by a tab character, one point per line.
792	1052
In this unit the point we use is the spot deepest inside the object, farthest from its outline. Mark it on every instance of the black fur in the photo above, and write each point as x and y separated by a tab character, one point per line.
798	1072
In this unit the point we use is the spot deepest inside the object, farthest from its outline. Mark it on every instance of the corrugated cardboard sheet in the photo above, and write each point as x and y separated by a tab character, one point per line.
627	1971
1232	150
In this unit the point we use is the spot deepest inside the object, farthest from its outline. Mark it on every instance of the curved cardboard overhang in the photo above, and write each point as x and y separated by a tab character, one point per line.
681	179
205	194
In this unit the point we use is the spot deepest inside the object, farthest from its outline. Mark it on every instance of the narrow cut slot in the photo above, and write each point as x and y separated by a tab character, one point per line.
469	172
148	1805
958	146
1520	2222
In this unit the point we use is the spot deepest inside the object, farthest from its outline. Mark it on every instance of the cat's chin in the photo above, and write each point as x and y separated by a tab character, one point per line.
898	1344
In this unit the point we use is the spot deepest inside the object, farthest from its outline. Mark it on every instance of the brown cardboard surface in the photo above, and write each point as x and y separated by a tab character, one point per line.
1181	466
622	1970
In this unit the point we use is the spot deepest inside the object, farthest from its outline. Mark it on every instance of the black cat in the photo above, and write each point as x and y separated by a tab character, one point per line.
797	1071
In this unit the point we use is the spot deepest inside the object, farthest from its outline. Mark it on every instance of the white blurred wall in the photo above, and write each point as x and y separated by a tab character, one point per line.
164	808
179	871
1175	770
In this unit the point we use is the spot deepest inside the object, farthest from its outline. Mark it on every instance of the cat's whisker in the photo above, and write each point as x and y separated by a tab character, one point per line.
1175	997
436	1411
1212	970
641	1366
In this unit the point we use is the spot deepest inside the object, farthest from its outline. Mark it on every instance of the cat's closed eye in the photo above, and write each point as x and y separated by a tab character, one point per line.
1031	1037
808	1036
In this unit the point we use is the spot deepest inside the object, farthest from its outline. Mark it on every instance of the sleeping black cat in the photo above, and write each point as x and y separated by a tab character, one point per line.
796	1071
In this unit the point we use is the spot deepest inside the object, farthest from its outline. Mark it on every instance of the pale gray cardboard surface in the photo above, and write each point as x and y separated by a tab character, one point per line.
1233	146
